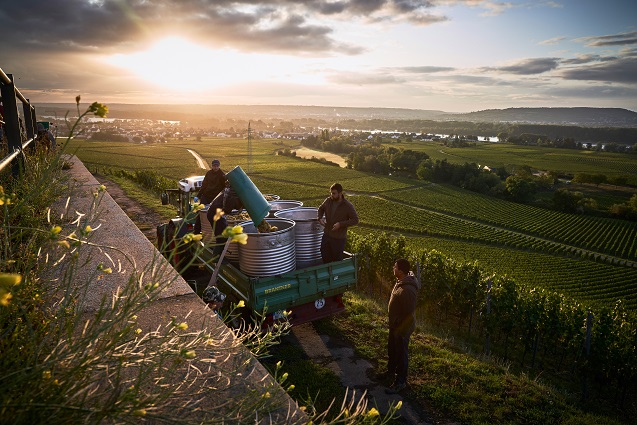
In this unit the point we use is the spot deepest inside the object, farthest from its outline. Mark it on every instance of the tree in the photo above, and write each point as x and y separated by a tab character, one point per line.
566	200
519	189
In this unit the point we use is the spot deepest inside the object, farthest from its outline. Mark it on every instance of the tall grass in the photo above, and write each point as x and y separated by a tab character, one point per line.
116	363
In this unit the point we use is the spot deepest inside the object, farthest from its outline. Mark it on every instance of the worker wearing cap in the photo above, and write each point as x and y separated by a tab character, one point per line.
213	183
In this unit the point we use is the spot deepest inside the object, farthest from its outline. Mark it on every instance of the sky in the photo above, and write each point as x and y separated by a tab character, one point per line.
447	55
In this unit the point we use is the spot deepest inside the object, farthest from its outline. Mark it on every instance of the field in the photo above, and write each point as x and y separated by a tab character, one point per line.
589	258
567	161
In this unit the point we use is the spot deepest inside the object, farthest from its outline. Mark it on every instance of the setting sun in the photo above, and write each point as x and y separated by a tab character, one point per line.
179	64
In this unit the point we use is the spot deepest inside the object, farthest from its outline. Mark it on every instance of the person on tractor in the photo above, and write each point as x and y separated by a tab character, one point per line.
213	183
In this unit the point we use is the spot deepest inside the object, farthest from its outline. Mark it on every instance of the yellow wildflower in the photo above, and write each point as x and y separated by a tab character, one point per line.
372	413
102	188
138	331
65	244
139	412
10	279
218	214
46	374
291	387
241	304
197	207
183	326
241	238
5	297
56	230
267	394
190	354
399	405
88	229
98	109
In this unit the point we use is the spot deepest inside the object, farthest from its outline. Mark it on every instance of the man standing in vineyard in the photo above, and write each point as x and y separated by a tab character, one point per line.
402	323
339	215
213	183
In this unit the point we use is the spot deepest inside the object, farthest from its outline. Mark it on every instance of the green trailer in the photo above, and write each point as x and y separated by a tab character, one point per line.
306	294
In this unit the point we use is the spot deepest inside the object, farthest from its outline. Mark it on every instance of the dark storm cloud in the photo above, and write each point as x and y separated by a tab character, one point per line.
272	25
531	66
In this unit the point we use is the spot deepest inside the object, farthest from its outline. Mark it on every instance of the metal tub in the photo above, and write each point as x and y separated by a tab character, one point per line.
283	205
268	254
308	235
232	254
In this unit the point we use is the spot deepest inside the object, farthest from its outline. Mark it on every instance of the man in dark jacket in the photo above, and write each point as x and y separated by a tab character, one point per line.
213	183
402	323
339	215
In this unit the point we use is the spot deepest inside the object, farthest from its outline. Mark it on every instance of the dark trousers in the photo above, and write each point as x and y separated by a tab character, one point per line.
332	249
398	353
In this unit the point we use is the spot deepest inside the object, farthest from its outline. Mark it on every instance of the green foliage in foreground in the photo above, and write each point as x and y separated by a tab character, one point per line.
540	331
469	389
62	364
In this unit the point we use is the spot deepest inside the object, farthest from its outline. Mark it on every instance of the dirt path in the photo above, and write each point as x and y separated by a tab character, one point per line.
145	218
200	162
355	373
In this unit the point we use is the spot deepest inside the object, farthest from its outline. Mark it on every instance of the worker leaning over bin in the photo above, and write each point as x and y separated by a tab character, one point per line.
339	215
213	183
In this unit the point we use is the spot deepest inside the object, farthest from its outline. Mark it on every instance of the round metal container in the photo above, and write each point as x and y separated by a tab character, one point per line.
308	235
208	236
268	254
283	205
270	197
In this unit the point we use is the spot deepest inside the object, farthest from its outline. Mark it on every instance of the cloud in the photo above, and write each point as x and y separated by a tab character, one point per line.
530	66
621	70
594	92
361	79
424	69
552	41
622	39
285	26
581	59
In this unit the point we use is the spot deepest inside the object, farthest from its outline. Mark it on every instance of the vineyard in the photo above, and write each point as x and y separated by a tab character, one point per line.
612	237
533	327
563	160
582	257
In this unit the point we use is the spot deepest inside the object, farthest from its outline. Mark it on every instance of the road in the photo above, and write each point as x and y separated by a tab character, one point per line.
200	162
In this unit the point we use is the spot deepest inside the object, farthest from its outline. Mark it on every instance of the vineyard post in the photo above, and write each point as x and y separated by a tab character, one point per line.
419	281
587	350
488	343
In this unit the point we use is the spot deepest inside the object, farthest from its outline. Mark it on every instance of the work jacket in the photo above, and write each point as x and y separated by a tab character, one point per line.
345	214
213	183
402	306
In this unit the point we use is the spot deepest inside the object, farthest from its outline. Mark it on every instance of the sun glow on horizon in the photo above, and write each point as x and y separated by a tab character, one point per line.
179	64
